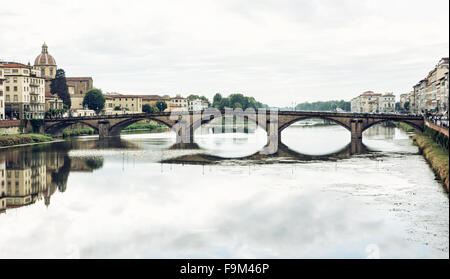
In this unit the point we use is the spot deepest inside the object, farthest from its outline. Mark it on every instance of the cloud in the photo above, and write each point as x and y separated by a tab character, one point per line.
277	51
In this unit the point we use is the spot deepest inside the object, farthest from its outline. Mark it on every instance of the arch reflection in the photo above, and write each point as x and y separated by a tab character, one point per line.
284	152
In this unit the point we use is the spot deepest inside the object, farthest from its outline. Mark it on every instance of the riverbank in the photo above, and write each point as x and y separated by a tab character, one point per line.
145	127
434	153
22	139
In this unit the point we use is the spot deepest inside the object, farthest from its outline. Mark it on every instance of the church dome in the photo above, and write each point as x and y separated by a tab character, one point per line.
44	59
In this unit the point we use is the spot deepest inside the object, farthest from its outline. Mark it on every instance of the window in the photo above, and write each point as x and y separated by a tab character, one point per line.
16	98
15	71
7	88
15	88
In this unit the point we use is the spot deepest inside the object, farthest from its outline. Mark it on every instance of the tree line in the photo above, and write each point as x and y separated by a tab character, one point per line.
324	106
236	100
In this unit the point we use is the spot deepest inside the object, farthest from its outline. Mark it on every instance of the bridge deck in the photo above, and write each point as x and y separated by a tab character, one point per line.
287	113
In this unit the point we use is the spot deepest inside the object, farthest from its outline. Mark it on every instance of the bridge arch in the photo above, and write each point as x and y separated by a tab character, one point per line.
299	118
197	124
115	129
58	127
416	126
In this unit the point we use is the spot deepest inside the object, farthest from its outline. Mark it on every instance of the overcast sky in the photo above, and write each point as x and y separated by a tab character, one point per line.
279	51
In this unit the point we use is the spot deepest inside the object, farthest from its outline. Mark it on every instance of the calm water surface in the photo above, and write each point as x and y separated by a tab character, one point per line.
88	198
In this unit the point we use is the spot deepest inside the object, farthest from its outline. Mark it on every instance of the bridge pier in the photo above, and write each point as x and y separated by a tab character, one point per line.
103	128
184	132
357	147
273	137
356	128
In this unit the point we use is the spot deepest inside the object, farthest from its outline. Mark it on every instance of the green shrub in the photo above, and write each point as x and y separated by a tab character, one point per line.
10	140
145	126
77	132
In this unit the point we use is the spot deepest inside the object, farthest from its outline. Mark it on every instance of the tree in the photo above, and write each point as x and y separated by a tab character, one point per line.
59	86
216	99
324	106
94	163
406	106
161	105
148	108
94	100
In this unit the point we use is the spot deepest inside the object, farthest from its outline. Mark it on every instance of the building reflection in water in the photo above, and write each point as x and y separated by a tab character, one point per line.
28	177
31	174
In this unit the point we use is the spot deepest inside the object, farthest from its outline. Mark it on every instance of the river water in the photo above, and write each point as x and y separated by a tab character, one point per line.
87	198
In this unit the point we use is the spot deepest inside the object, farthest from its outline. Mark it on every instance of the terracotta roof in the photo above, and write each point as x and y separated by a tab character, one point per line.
78	78
153	97
143	97
14	65
44	59
110	96
50	95
370	93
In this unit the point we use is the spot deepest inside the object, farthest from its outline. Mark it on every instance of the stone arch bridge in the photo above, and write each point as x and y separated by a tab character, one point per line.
273	122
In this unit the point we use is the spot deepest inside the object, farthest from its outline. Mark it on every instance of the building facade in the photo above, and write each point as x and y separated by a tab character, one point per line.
197	105
442	92
24	91
404	101
178	103
412	102
121	104
78	86
386	103
153	99
370	102
52	102
2	98
431	93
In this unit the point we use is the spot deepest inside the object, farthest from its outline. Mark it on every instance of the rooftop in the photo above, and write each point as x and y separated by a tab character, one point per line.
117	95
78	78
14	65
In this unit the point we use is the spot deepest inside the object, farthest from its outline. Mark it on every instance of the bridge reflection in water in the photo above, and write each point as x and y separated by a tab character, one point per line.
284	154
31	174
